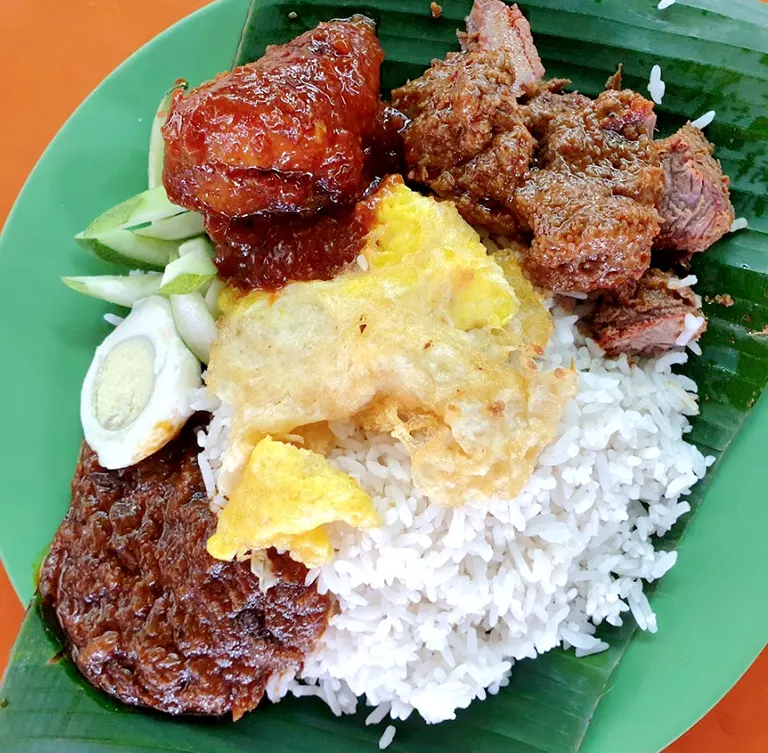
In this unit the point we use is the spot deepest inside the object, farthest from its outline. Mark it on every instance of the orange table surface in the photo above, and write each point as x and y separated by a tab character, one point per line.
52	54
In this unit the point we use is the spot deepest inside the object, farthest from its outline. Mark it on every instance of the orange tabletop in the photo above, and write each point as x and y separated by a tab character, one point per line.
66	48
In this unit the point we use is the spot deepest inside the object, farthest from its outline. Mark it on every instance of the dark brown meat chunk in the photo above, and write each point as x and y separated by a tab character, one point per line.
594	225
626	112
494	25
467	139
287	133
614	82
546	106
609	138
648	323
695	205
584	238
148	615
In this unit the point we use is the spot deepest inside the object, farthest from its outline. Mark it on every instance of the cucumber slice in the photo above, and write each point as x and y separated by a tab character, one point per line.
194	323
189	272
180	227
196	246
156	143
212	298
123	290
147	206
130	250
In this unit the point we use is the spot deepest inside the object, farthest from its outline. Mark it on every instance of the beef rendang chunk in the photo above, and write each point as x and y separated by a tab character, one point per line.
148	615
467	138
585	239
695	205
649	322
579	183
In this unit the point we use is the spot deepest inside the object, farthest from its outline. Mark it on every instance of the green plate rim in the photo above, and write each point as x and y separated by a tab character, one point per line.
621	722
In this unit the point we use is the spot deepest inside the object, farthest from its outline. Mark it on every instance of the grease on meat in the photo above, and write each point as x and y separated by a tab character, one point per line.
584	238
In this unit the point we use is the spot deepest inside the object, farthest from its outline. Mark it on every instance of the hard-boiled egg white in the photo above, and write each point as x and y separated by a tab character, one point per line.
136	394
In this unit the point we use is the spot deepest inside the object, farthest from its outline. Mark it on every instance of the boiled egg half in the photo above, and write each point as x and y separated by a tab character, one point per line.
136	394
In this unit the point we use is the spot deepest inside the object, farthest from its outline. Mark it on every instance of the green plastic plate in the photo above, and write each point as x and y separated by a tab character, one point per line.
713	606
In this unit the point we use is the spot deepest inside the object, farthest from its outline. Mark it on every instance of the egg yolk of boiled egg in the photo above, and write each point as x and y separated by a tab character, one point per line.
285	499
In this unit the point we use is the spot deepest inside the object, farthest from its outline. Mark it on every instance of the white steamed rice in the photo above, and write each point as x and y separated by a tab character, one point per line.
656	86
704	120
436	606
740	223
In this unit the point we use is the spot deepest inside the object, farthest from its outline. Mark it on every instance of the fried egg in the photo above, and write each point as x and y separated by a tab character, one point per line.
285	499
429	339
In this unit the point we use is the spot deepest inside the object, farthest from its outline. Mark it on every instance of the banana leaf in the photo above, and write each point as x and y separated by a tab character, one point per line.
714	55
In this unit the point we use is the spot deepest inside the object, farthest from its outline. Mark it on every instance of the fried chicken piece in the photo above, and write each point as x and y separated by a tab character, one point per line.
695	205
649	322
584	238
287	133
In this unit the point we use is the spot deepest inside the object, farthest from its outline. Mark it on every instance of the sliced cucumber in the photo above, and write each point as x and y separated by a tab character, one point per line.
196	246
180	227
194	323
130	250
189	272
156	143
124	290
212	298
147	206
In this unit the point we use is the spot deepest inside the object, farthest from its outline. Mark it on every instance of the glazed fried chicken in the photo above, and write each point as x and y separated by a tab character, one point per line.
287	133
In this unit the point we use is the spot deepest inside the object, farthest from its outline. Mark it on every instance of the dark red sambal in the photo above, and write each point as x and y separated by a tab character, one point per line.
268	252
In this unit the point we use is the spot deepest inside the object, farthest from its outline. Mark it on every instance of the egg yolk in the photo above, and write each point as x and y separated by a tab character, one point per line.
124	383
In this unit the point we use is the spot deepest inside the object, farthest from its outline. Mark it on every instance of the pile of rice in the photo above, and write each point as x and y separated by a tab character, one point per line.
436	606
